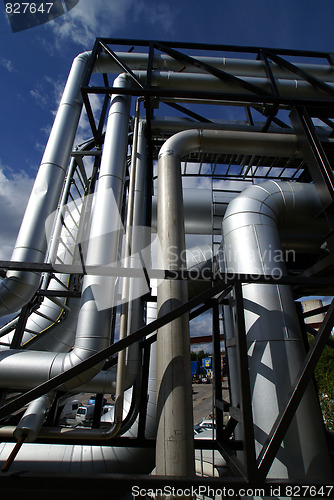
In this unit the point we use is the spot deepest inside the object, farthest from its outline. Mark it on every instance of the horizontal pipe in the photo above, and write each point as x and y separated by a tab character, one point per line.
237	67
291	89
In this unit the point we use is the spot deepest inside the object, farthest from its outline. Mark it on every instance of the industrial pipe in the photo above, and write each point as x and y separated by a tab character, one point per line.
237	67
251	245
50	363
19	286
93	328
289	89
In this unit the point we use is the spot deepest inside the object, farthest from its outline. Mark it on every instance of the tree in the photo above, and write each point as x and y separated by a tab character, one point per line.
195	356
324	378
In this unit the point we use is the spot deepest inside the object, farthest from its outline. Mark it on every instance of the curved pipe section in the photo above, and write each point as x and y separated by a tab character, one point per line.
275	346
174	403
93	328
19	287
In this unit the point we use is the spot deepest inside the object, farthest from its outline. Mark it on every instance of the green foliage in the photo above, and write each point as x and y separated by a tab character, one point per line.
199	355
324	377
324	373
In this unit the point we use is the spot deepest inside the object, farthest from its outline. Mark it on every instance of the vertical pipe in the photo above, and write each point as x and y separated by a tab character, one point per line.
98	292
274	342
175	444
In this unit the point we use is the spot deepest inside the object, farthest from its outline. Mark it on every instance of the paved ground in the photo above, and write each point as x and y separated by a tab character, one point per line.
202	400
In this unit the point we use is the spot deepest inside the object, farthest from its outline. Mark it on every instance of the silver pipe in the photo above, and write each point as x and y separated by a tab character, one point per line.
93	328
175	444
291	89
19	286
182	143
63	457
274	341
175	432
237	67
123	328
31	423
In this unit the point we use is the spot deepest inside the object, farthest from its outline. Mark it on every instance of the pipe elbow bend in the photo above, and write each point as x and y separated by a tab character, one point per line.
270	202
16	291
182	143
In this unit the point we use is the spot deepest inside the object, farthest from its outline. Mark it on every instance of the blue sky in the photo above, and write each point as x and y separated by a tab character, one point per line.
34	65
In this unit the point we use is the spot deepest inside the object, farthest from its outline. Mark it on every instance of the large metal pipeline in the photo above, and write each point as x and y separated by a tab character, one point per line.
174	388
170	190
275	346
292	88
237	67
18	288
93	329
175	454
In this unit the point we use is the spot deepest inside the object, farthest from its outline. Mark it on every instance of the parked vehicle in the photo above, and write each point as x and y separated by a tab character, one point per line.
69	411
84	415
208	424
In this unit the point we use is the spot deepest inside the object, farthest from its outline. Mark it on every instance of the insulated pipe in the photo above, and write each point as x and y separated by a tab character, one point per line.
19	286
291	89
93	328
175	453
49	363
31	423
98	292
238	67
123	327
275	345
175	447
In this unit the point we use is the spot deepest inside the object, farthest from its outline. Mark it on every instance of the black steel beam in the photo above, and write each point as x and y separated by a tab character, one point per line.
215	47
121	63
218	73
226	278
214	96
218	390
315	82
277	433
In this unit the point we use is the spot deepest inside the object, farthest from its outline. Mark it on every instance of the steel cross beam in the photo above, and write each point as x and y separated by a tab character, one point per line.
222	75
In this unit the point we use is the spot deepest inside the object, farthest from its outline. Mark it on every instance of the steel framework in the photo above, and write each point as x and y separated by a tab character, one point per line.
309	275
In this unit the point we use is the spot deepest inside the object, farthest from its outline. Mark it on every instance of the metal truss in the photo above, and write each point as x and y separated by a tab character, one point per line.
315	167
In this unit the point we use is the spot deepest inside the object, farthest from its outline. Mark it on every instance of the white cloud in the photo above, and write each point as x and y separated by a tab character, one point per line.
13	187
7	64
104	18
